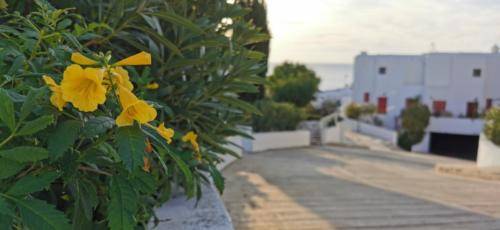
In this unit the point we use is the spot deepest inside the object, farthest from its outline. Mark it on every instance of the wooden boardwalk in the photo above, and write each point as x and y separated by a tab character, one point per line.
345	188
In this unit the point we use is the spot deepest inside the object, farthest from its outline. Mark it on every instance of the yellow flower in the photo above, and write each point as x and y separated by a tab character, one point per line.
141	58
83	87
56	99
153	85
120	78
165	133
192	138
133	109
78	58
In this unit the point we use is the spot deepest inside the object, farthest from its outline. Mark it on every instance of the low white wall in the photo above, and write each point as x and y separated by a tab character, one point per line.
379	132
488	154
278	140
331	135
237	147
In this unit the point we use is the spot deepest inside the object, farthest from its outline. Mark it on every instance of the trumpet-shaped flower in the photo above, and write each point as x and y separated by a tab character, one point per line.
83	87
141	58
165	133
191	137
79	58
119	77
56	99
147	164
133	109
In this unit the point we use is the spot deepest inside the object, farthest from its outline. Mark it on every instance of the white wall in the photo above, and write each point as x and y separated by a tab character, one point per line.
461	126
488	154
278	140
331	135
383	133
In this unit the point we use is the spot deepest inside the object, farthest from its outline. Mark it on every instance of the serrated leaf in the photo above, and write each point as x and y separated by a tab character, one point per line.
217	178
144	182
36	125
184	169
9	167
37	214
97	125
7	110
85	202
63	138
29	103
24	154
131	144
122	205
30	184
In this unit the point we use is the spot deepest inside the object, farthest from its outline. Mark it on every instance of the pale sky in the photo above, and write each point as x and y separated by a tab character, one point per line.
334	31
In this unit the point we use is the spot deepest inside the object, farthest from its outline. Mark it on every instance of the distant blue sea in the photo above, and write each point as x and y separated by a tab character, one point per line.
333	76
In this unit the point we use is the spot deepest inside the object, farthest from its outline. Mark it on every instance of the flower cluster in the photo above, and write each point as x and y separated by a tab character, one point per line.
87	84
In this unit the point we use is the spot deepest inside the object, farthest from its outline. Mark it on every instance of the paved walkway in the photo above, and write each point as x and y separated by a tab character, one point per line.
349	188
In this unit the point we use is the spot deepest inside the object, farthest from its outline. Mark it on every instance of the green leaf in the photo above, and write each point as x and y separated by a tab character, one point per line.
218	178
37	214
144	182
63	138
97	125
25	154
4	208
36	125
179	20
7	110
5	222
30	184
85	200
9	167
29	103
184	169
122	205
240	104
131	144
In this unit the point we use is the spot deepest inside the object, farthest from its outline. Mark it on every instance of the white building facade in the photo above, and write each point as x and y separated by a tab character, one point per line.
455	86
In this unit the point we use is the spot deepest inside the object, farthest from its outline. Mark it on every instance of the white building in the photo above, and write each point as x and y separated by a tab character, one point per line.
455	86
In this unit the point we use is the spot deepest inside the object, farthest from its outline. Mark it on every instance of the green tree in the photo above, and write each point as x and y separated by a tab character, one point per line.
258	17
492	125
293	83
276	116
415	119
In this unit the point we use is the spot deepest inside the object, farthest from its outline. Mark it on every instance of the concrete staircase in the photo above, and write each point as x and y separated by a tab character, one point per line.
314	128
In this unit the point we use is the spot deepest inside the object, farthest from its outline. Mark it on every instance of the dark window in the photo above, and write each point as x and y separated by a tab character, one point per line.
382	70
476	72
489	103
366	97
472	109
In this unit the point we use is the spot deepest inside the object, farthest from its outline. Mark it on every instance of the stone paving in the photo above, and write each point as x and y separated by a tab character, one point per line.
352	188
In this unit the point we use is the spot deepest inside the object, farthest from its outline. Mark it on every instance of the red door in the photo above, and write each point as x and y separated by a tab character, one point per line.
382	105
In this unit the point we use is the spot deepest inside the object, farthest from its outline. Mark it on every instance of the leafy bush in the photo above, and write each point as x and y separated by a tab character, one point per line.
415	119
276	116
293	83
87	141
355	111
492	125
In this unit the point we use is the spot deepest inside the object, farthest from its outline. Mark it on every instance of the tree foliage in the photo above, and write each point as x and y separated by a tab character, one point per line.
415	119
72	169
276	116
492	125
293	83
